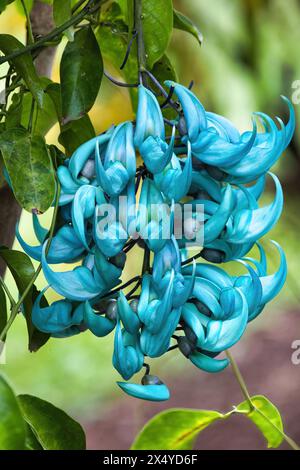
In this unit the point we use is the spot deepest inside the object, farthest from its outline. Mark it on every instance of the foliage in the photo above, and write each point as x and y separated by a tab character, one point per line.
178	429
29	423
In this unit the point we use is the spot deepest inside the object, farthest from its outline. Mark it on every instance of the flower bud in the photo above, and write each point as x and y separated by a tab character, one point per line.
151	380
190	335
182	128
134	305
214	256
184	346
215	173
89	171
112	310
203	308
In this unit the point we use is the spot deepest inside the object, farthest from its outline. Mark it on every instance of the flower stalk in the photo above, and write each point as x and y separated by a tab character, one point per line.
138	24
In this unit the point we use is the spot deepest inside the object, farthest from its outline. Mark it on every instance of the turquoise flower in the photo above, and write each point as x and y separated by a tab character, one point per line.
156	153
127	358
215	141
109	204
154	221
151	388
149	118
60	319
65	247
175	181
119	165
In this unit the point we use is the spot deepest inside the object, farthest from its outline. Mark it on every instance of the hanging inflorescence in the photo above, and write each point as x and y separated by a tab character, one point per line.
198	158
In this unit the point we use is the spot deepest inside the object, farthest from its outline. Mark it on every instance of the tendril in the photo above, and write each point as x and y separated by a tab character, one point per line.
128	50
118	83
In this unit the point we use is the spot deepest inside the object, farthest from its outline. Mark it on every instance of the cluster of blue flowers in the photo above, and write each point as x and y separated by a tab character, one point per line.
177	303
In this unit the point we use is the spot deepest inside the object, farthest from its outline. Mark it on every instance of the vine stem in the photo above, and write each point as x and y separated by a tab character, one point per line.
7	291
53	34
252	407
78	5
138	26
121	287
16	307
29	28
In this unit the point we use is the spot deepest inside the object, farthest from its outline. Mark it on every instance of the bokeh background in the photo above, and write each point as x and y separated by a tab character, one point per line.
250	56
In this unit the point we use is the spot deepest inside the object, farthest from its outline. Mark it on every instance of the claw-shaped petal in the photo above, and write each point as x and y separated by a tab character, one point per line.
222	334
174	182
248	225
85	152
127	358
119	163
159	392
149	118
194	113
78	284
273	283
128	317
99	325
207	363
213	150
58	318
216	223
156	153
65	247
83	208
156	344
190	315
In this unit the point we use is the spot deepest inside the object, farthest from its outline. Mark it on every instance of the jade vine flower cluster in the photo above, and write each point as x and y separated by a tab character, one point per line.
198	158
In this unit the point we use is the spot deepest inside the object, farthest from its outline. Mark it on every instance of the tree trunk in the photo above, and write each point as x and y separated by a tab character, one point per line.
42	22
41	17
10	212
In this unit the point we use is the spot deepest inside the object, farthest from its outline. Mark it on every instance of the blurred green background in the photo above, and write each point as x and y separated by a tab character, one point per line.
249	57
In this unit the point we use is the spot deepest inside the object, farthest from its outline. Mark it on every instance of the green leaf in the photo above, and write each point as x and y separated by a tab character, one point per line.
53	428
23	65
81	71
130	15
31	442
22	271
185	24
4	3
28	5
174	429
157	28
62	12
266	417
3	310
164	70
19	265
31	173
19	112
74	133
45	118
14	112
113	46
12	425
